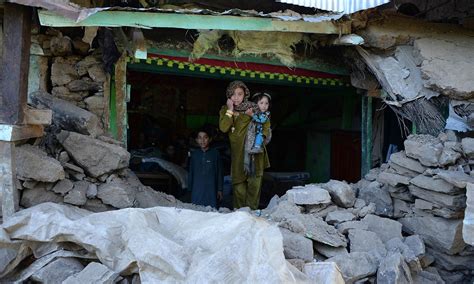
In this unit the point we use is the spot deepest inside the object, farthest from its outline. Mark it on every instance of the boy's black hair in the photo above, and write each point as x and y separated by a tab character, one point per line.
258	96
206	130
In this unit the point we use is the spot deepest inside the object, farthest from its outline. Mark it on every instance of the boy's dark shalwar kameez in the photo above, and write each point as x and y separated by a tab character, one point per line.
205	177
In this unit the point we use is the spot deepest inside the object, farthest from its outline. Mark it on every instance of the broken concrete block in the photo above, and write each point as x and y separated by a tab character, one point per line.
33	163
378	194
425	148
68	116
341	193
308	195
393	269
58	270
468	147
296	246
429	228
98	157
385	228
355	265
451	153
318	230
402	160
32	197
365	241
344	228
337	217
456	178
117	194
329	251
62	187
77	196
93	273
435	184
393	180
451	201
468	223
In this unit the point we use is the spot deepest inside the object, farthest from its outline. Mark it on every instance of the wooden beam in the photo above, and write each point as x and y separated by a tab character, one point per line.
187	21
16	60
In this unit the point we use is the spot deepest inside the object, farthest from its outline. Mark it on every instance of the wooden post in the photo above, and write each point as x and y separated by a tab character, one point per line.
366	135
13	86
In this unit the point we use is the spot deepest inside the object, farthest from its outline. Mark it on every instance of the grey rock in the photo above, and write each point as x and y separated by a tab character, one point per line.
456	178
324	211
429	228
329	251
296	246
33	163
355	265
74	168
392	179
451	153
405	196
32	197
379	195
366	210
147	197
83	66
385	228
452	262
435	184
298	263
77	196
416	245
30	184
58	270
394	270
94	273
365	241
359	203
75	176
91	191
341	193
273	202
451	201
98	157
437	210
62	73
63	157
425	148
397	245
425	277
68	116
95	104
454	277
426	260
80	47
60	46
82	86
337	217
397	189
308	195
401	208
468	147
346	226
402	160
372	174
97	73
62	187
96	205
402	170
117	194
320	231
61	92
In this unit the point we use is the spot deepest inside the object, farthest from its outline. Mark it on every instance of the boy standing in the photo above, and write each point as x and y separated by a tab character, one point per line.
205	179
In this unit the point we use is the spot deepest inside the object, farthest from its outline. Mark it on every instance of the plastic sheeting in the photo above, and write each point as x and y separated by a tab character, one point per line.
163	245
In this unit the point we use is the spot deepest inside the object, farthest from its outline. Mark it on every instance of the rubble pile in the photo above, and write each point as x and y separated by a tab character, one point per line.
402	223
76	72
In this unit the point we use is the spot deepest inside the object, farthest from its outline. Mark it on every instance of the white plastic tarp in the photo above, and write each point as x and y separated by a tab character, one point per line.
163	245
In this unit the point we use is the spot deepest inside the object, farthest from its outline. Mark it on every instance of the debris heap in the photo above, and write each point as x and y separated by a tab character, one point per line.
402	223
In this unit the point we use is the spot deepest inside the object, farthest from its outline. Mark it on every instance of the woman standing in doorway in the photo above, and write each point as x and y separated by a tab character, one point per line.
234	119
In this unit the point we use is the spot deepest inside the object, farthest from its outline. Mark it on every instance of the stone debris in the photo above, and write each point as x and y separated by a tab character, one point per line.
341	193
296	246
93	273
468	223
308	195
34	164
425	148
355	265
58	270
393	269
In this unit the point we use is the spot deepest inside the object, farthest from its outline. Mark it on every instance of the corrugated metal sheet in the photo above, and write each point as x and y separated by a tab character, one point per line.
339	6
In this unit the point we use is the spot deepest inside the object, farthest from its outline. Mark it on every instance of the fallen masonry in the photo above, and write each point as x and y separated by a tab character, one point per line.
403	224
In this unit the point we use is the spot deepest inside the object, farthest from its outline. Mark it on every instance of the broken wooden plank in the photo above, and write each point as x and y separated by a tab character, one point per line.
188	21
38	116
17	132
16	60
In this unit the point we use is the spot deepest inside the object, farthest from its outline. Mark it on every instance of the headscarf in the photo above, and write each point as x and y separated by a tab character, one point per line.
246	104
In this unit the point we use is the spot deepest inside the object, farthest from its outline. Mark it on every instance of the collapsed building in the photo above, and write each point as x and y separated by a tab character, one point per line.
350	85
